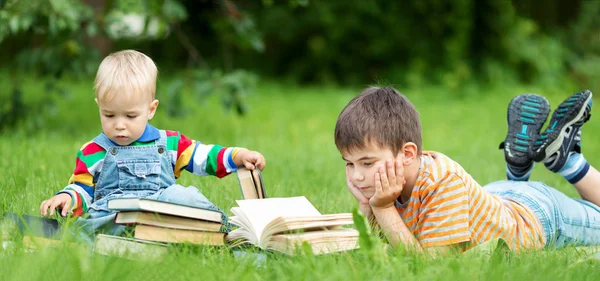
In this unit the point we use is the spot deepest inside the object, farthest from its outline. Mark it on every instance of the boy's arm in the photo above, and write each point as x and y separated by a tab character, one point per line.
397	233
443	217
389	182
394	228
198	158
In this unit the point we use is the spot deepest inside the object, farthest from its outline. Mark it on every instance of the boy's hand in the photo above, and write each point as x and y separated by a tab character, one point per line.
250	159
62	201
389	181
363	201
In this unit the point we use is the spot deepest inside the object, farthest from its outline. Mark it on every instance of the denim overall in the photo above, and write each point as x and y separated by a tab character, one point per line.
136	172
566	221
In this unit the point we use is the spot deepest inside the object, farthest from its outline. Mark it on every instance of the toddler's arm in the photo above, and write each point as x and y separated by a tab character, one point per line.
209	159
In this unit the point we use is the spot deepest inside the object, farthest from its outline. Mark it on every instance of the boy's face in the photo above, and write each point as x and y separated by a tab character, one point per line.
124	118
362	164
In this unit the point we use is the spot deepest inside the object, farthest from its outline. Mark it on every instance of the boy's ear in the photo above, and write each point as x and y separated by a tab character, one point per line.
410	153
152	109
96	100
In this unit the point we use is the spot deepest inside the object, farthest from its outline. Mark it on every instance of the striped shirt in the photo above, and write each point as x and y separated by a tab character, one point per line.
191	155
448	207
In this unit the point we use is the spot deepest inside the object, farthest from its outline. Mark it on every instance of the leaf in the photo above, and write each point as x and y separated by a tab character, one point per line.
91	29
173	11
13	23
361	224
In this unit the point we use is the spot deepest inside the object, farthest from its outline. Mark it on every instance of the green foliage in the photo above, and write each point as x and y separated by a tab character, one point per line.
55	45
231	87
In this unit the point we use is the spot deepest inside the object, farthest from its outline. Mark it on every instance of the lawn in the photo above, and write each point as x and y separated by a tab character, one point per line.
293	127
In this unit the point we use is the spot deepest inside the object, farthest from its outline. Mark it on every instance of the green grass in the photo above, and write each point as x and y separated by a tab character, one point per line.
293	127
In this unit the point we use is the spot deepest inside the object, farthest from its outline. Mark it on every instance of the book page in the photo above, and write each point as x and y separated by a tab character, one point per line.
262	211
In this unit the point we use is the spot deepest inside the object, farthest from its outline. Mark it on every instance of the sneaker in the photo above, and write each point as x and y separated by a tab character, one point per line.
563	133
526	116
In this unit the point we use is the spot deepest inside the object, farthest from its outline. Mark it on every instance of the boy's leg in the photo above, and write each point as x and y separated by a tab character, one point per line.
98	221
189	196
525	117
578	221
560	147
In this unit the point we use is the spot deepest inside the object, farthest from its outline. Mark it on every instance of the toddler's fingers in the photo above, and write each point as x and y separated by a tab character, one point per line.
44	208
249	165
260	163
65	210
53	206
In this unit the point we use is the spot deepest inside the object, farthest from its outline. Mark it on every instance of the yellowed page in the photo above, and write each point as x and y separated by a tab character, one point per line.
262	211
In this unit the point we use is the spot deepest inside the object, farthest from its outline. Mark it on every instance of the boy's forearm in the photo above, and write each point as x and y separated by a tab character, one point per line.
395	229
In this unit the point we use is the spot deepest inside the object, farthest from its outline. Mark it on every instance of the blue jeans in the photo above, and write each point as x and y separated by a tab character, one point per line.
565	220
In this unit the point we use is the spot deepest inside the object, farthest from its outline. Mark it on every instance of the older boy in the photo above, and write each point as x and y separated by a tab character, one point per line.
426	200
131	158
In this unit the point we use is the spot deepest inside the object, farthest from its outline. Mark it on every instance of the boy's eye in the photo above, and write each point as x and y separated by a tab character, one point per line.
349	164
368	164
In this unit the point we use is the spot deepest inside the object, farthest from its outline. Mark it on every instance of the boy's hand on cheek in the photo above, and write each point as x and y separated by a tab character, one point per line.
363	201
389	181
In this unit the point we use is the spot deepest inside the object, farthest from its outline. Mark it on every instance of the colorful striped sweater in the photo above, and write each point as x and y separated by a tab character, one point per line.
191	155
448	207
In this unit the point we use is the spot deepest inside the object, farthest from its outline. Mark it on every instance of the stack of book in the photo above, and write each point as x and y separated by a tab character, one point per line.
156	223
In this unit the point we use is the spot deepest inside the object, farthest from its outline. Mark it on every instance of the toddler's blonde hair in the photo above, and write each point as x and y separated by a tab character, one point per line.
127	72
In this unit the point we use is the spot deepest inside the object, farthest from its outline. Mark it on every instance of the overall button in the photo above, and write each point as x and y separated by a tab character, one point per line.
161	150
113	151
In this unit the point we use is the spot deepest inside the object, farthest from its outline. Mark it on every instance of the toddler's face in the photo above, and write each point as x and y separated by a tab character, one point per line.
124	118
362	164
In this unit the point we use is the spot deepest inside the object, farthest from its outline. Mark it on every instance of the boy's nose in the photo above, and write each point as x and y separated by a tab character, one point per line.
357	176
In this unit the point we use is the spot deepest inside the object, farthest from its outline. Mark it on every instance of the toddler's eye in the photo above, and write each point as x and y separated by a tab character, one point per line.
109	115
131	116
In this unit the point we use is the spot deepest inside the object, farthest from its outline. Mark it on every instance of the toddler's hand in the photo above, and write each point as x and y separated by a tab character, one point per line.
250	159
62	201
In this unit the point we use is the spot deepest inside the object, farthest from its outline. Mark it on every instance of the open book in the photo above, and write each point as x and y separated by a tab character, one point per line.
251	183
281	224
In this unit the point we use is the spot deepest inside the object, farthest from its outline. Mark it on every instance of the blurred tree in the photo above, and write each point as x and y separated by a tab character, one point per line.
54	37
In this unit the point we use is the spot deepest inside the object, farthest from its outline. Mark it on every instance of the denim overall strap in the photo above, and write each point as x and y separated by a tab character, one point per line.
103	141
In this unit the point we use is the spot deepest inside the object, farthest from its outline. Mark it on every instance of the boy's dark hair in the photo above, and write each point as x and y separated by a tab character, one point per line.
381	116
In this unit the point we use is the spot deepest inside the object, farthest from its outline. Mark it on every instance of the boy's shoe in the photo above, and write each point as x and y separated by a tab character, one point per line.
563	133
526	116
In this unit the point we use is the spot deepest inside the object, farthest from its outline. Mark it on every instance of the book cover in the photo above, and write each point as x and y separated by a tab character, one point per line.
33	225
251	183
167	208
167	221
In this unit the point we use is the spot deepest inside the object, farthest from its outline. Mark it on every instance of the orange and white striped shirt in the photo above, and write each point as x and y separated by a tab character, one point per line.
448	207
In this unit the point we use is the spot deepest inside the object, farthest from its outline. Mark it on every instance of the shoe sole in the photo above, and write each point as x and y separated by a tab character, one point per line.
526	116
556	137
